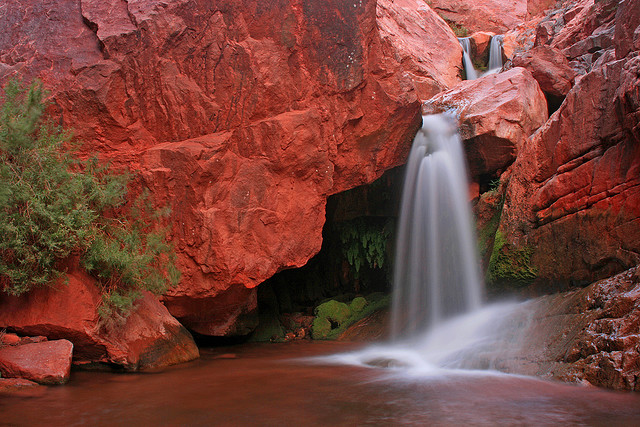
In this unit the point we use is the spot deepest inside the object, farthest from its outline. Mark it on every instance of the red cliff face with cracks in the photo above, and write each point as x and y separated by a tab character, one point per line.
241	116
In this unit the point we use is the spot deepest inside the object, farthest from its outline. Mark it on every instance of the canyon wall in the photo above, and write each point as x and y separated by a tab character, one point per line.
240	116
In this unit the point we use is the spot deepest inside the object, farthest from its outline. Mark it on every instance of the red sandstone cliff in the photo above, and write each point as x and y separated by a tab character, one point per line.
241	116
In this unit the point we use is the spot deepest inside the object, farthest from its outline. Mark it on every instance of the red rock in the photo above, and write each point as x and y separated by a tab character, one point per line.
419	38
241	116
9	339
496	16
149	338
45	362
549	67
574	194
13	385
627	32
480	42
568	336
497	114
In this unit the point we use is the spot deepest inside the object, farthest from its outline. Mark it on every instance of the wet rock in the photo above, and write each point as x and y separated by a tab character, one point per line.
148	338
241	116
497	114
566	336
46	362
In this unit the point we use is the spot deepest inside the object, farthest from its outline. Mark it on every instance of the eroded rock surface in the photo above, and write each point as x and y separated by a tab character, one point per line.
241	116
585	335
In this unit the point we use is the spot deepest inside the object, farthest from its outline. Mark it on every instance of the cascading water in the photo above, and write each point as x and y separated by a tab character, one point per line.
470	72
436	270
495	53
438	321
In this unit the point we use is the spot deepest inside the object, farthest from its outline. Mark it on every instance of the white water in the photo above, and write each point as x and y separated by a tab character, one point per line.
436	271
438	322
466	58
495	54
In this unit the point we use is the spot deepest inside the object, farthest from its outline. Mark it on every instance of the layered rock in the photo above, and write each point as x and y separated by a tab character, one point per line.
574	194
241	116
47	362
497	113
149	337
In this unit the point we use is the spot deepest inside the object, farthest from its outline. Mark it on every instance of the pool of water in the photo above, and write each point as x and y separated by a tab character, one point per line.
276	385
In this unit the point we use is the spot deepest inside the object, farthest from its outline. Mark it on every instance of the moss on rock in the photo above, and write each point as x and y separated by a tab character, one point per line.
510	265
358	304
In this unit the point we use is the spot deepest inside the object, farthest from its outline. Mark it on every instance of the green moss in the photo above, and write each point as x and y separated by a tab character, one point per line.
320	328
510	265
375	302
335	311
358	304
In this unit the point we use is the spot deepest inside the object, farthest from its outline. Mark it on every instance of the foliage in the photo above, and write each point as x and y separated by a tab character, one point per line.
364	243
53	205
509	264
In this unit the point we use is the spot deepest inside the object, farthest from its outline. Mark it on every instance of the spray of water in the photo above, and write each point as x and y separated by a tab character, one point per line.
438	321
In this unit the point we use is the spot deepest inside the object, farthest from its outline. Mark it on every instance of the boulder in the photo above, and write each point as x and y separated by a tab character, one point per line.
549	67
47	362
148	338
480	42
496	16
574	195
413	34
497	113
241	116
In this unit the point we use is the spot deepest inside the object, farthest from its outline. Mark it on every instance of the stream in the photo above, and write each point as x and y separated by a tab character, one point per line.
286	385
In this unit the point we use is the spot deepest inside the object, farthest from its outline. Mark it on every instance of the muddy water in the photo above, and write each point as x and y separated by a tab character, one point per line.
262	385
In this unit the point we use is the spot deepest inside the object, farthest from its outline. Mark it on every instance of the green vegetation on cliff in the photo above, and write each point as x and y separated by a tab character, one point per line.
509	264
54	206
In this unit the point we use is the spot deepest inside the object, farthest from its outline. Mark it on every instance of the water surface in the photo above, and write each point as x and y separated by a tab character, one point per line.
267	385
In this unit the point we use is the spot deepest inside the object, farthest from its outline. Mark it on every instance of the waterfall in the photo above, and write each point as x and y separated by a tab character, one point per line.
466	58
436	271
438	322
495	53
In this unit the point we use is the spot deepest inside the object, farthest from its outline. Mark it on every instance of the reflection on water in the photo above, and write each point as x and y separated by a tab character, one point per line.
262	384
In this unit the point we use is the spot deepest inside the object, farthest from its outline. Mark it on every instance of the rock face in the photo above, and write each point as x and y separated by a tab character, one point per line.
571	211
497	114
574	194
586	335
496	16
241	116
549	67
149	338
47	362
409	30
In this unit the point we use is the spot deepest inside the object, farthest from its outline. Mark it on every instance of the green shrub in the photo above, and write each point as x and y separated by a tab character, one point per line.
53	205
